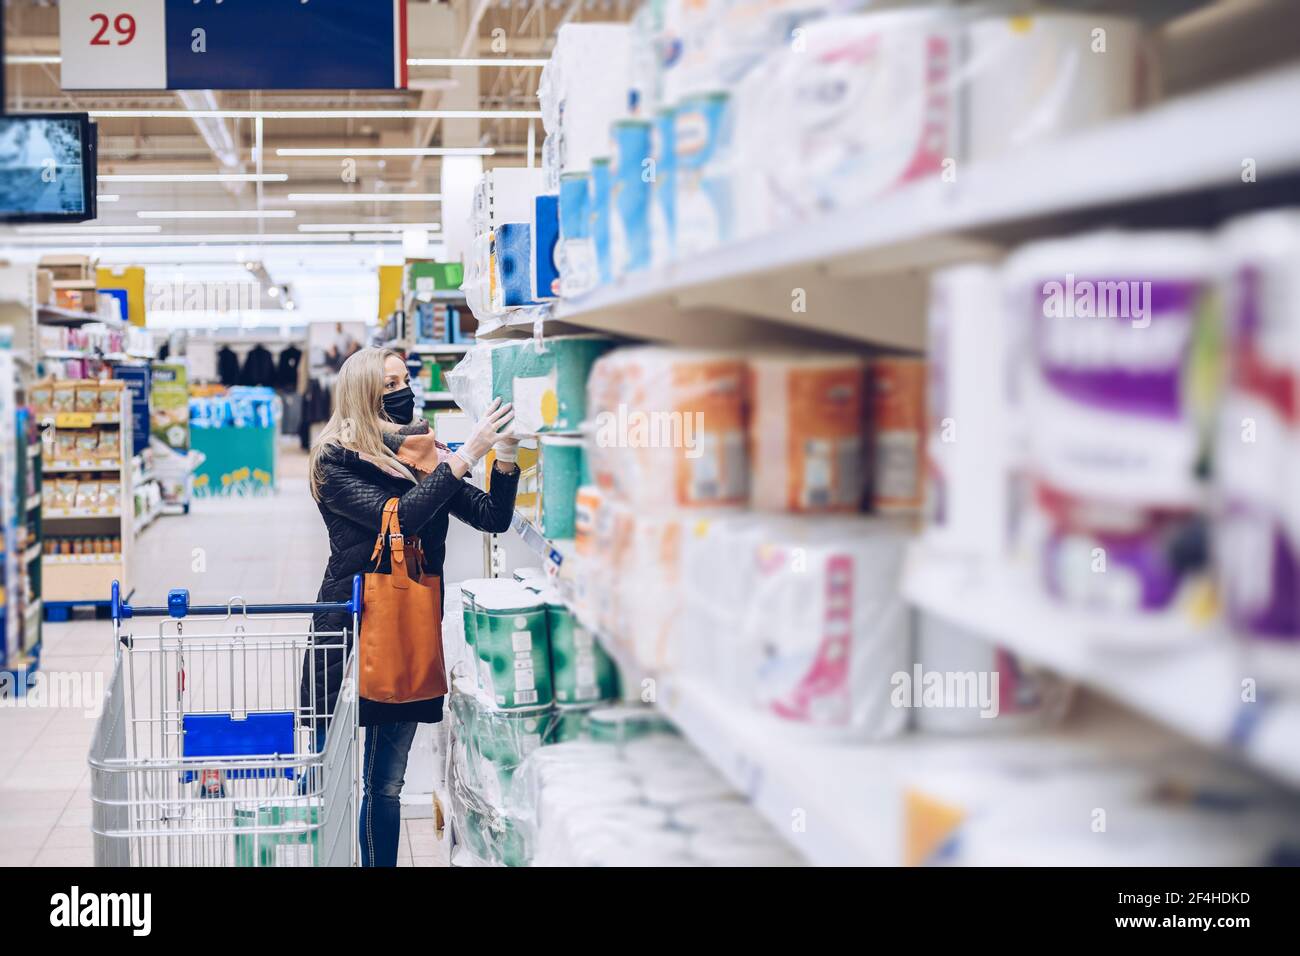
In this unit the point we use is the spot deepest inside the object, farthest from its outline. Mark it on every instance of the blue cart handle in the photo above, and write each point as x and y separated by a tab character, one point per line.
178	606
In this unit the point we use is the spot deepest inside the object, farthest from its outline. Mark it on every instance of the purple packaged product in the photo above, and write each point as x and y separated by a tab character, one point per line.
1257	462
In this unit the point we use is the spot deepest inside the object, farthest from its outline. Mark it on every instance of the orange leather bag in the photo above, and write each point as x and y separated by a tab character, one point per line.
401	627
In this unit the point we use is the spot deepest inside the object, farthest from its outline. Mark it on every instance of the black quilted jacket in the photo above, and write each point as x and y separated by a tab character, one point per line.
353	494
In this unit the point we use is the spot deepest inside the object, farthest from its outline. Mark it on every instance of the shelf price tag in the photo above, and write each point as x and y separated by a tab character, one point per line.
113	44
74	419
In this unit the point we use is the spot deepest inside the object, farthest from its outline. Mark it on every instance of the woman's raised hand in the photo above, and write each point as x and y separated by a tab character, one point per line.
490	429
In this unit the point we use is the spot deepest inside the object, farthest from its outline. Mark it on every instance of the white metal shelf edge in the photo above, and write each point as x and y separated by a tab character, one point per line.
1194	688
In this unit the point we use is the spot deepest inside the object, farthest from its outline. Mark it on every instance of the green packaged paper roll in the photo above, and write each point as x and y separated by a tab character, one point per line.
570	723
563	466
581	671
547	381
513	639
623	723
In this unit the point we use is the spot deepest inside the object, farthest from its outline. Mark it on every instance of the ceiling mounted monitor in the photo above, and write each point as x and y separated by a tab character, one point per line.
47	168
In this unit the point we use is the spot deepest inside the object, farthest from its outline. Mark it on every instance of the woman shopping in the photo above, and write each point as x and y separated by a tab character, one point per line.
387	490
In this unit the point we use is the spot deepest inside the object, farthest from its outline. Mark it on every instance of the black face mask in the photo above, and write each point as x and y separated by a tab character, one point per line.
399	406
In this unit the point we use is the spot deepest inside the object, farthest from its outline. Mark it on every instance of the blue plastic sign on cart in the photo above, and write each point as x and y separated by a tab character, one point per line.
232	44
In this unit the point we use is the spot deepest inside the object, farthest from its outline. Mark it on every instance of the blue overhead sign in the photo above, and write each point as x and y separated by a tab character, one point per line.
232	44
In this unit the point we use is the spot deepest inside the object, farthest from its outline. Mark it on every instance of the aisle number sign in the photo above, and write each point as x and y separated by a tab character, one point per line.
232	44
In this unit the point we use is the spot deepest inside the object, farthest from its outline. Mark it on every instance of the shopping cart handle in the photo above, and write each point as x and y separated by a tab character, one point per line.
178	606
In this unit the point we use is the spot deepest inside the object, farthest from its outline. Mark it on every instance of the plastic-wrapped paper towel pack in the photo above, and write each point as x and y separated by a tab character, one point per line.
583	88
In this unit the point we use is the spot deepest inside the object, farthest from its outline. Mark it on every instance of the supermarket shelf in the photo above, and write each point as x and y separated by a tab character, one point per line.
55	315
83	354
80	419
1194	688
34	450
69	353
59	560
34	610
862	269
87	464
32	553
34	502
537	542
438	397
81	513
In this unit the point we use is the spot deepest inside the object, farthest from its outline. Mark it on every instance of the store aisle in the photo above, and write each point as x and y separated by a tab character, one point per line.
261	549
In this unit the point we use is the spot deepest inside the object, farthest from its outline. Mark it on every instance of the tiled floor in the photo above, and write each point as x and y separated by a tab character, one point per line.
261	549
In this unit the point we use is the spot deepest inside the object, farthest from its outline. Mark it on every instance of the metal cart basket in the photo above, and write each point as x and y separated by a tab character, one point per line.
205	755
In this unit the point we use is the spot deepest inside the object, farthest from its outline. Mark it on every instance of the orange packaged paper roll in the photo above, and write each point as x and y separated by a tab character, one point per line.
669	427
806	431
898	430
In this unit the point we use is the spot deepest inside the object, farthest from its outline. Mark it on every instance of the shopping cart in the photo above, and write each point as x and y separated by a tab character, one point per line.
205	755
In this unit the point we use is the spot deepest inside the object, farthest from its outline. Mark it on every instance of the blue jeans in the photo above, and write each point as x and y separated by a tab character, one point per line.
383	767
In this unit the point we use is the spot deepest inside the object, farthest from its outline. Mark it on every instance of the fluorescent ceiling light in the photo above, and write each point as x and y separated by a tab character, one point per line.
213	239
85	230
193	177
24	59
477	61
365	197
107	197
368	226
217	214
316	114
388	151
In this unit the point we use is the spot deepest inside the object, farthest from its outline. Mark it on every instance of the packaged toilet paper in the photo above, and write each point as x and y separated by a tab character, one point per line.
703	166
575	251
861	105
967	453
963	684
581	670
898	430
546	380
583	88
1141	574
1123	363
663	218
564	468
512	636
1257	449
668	427
633	174
807	421
1027	78
800	617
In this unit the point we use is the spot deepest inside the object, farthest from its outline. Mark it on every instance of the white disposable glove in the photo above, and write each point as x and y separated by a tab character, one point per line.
487	432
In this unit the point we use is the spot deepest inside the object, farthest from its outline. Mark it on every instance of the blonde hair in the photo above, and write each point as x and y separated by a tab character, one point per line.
355	424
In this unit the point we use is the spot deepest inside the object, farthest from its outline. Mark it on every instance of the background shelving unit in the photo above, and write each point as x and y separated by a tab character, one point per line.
865	272
78	583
